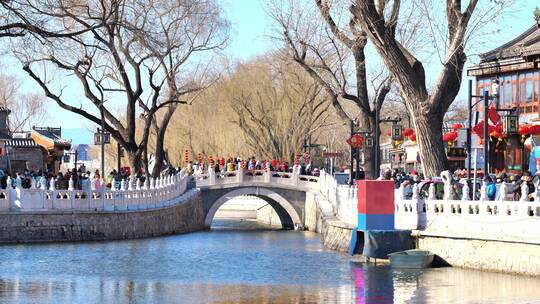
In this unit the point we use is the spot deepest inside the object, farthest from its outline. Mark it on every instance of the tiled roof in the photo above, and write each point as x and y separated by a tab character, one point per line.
21	143
526	44
54	134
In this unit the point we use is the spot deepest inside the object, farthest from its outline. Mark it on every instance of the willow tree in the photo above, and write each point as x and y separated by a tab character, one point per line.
137	55
277	106
381	21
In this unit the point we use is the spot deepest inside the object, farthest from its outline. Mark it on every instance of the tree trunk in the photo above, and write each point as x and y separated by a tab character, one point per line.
134	161
160	140
159	153
429	138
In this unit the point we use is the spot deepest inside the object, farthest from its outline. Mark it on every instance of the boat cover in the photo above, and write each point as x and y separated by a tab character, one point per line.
379	243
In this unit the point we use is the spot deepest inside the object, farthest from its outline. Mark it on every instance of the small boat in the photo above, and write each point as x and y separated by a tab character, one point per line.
415	259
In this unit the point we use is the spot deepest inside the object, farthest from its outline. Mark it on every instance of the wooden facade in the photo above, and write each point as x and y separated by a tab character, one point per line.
516	66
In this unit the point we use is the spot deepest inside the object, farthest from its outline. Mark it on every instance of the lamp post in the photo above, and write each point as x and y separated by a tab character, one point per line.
396	132
485	98
102	137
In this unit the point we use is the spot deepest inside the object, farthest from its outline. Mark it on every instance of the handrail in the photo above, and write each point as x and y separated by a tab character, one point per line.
161	192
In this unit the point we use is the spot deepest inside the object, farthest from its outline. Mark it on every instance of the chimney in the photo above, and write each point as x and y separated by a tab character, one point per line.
4	126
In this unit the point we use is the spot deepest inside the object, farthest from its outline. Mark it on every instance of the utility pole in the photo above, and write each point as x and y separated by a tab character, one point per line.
102	134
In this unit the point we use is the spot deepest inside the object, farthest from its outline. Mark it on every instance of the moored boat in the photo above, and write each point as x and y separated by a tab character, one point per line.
414	258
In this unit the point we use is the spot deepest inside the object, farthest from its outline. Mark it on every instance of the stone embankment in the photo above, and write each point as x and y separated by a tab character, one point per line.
320	218
186	215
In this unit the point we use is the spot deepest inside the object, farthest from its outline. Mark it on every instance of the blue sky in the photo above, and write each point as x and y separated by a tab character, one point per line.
249	38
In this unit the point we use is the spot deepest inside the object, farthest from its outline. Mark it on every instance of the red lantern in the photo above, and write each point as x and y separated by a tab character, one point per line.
535	130
274	163
413	137
186	157
243	165
297	160
389	132
266	166
408	132
450	136
457	126
199	158
525	129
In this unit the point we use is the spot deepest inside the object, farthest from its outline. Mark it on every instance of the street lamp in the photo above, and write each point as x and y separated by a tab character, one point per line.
510	123
102	137
396	132
67	157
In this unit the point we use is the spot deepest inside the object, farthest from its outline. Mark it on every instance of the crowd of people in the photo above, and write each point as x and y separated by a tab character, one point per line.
514	183
82	179
251	166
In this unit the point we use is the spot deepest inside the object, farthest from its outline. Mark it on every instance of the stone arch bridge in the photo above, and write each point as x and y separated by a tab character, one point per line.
285	192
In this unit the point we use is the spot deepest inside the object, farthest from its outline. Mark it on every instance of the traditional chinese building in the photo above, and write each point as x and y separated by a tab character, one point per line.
516	67
39	149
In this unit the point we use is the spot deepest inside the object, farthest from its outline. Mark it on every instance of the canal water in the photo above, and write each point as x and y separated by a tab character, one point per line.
235	266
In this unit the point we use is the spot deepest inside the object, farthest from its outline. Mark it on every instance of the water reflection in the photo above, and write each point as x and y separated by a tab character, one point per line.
234	267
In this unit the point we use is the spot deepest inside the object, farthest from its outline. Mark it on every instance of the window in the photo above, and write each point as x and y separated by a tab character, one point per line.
515	90
506	95
529	91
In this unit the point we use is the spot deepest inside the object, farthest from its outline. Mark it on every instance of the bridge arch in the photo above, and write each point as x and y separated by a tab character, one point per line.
288	215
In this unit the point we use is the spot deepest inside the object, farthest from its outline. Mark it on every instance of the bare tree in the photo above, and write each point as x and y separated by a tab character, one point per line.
125	52
27	109
333	53
380	20
277	107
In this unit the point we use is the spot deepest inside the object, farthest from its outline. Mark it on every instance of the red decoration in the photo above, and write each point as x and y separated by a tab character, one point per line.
535	130
493	115
200	158
412	137
186	157
389	132
479	129
457	126
211	160
450	136
525	129
355	141
408	132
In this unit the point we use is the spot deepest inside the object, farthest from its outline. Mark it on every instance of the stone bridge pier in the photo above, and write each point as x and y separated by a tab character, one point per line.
289	204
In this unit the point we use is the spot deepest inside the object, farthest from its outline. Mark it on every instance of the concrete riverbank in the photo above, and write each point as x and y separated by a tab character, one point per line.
186	215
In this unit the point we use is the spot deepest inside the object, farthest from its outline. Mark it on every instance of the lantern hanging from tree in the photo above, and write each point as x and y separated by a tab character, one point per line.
186	157
200	158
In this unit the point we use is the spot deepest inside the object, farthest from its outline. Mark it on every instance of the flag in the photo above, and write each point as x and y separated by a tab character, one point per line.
493	115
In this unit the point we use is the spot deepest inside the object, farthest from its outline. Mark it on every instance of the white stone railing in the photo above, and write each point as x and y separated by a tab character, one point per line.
344	198
502	220
257	177
154	193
